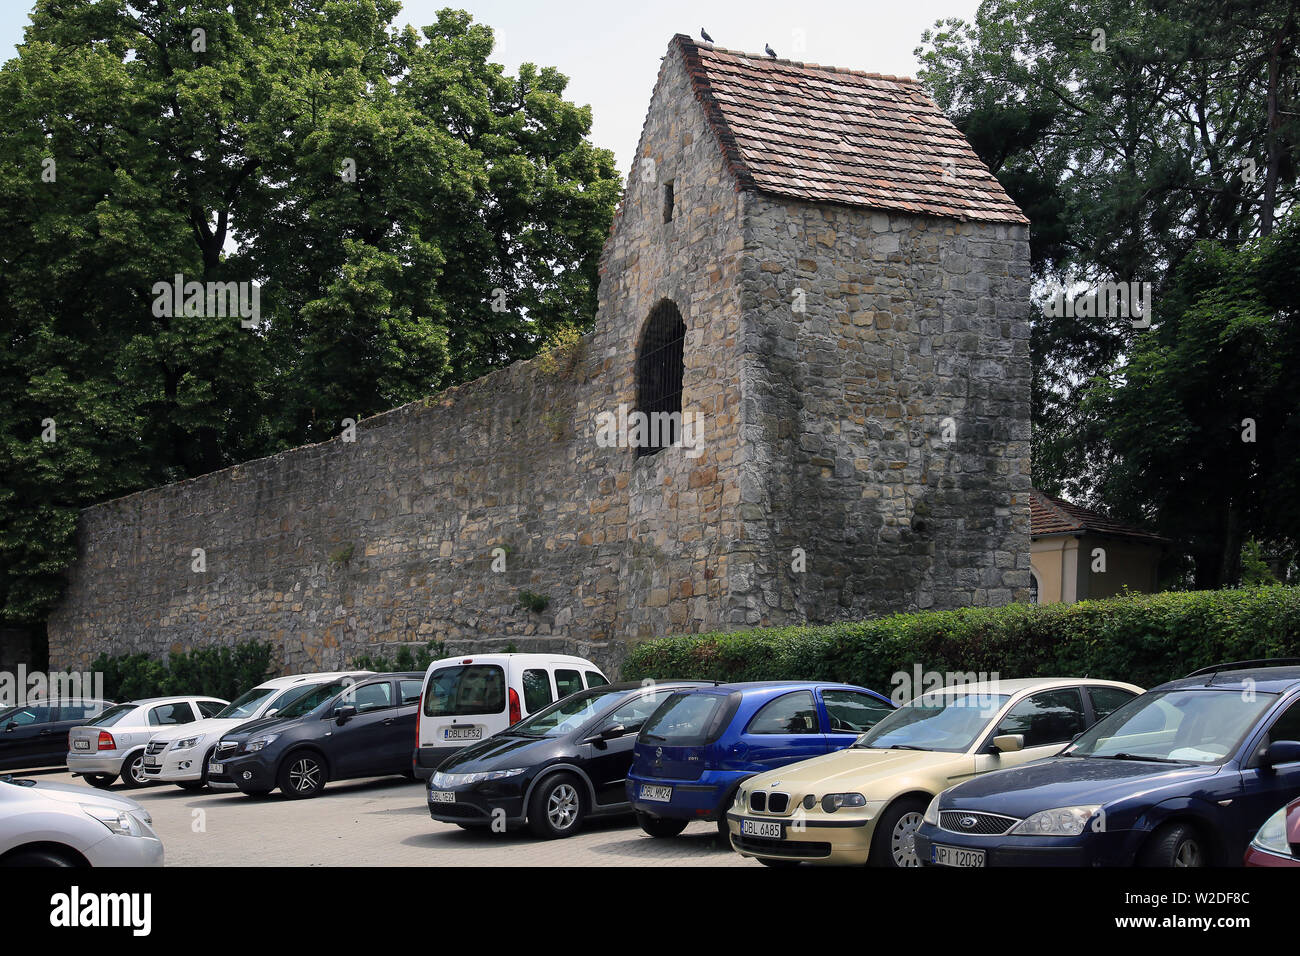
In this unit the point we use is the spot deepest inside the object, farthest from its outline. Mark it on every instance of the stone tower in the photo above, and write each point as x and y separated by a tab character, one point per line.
810	265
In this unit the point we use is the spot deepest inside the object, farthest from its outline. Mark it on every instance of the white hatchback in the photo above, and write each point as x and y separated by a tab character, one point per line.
113	743
180	755
468	698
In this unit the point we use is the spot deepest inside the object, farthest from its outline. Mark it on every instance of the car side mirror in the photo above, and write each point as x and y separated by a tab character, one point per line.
272	712
609	733
345	713
1008	743
1279	751
10	726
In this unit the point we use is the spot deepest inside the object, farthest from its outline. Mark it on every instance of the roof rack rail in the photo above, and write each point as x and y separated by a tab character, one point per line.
1239	665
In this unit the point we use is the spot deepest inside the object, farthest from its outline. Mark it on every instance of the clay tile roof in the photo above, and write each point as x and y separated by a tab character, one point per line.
1049	515
823	134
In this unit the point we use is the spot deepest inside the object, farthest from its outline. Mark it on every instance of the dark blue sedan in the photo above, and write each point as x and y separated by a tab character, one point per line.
699	745
1182	776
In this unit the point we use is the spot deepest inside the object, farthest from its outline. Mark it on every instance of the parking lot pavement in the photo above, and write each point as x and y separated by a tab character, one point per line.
385	822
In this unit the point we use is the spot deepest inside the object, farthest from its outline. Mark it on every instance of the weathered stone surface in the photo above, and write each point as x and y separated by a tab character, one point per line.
881	431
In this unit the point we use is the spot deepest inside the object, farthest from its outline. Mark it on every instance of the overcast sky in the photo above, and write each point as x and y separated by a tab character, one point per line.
611	51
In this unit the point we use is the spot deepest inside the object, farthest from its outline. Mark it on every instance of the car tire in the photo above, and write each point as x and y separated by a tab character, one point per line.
133	771
556	807
101	781
779	864
39	857
660	827
892	844
1175	844
302	775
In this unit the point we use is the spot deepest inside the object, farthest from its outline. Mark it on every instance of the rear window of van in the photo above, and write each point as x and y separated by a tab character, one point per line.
465	689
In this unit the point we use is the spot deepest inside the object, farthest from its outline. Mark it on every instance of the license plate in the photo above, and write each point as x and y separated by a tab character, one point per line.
216	768
153	761
661	794
762	828
462	733
441	796
955	856
81	745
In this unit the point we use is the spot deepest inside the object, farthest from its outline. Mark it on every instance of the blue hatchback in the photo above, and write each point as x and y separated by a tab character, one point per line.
1182	776
699	744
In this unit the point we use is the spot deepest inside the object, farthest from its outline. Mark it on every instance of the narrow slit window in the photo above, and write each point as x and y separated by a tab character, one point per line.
668	201
659	367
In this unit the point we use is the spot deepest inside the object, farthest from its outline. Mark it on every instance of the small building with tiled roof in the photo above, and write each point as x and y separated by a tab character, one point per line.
805	398
1079	553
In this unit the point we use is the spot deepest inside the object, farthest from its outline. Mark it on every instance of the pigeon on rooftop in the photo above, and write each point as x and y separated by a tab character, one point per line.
705	34
767	48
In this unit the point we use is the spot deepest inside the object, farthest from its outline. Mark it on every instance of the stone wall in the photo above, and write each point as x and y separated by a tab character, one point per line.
823	430
887	412
346	548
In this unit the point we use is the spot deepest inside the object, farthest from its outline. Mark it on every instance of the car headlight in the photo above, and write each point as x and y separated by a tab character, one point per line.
1063	821
259	743
932	812
117	821
833	801
739	802
445	781
1272	835
188	743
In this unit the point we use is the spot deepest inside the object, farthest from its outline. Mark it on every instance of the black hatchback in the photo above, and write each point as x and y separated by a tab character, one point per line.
36	734
360	725
553	769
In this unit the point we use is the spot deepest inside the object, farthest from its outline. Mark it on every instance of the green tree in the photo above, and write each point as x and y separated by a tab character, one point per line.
1128	131
1198	429
410	215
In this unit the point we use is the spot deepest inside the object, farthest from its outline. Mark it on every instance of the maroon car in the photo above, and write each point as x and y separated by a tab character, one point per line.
1278	841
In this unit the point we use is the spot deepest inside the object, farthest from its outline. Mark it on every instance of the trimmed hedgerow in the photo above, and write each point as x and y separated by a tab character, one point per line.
224	672
1143	638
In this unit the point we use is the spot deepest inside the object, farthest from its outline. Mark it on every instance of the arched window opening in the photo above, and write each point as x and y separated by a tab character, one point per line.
659	366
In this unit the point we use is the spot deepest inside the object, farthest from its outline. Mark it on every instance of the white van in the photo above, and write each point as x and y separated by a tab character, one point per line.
468	698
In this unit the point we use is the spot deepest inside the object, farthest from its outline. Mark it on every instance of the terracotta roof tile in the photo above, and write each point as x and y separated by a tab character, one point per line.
823	134
1049	515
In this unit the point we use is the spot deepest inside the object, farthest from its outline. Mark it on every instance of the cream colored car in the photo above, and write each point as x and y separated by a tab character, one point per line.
865	803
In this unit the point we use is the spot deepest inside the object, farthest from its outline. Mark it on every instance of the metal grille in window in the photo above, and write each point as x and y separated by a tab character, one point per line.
659	367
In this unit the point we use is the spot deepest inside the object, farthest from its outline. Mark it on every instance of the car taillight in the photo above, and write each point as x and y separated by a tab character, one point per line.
106	741
515	714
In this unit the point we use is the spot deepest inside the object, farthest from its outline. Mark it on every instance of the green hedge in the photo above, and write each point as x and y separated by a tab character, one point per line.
1143	638
224	672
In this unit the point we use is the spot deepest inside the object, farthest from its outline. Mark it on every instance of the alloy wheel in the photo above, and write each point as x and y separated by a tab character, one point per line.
304	775
562	806
1188	854
902	842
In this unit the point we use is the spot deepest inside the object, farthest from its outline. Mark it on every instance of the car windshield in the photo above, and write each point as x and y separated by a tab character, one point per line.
246	704
943	722
1202	725
315	695
567	714
111	716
